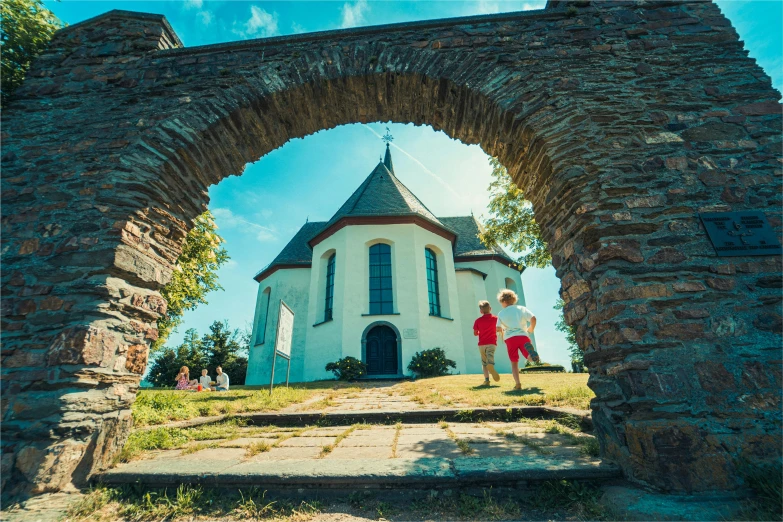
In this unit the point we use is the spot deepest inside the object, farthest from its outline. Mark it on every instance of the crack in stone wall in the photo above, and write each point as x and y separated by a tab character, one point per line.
621	123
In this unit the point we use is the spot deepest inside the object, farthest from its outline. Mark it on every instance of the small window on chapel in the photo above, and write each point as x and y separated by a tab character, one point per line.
381	300
432	281
329	305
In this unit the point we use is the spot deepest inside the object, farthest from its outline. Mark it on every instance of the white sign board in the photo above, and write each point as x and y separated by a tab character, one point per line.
410	333
285	330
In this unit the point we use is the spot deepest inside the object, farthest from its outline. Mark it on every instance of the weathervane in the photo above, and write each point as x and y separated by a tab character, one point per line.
388	138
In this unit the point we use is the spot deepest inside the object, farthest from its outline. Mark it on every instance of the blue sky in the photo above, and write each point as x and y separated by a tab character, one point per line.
259	211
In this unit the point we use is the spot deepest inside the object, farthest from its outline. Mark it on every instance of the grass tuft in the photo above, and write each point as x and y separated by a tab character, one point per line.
553	389
257	447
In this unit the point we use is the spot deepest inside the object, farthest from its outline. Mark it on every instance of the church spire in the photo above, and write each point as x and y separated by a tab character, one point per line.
387	161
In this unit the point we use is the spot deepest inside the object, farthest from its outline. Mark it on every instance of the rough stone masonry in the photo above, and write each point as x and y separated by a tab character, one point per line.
621	121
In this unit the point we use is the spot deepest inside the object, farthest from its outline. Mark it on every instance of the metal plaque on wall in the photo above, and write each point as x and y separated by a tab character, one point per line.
746	233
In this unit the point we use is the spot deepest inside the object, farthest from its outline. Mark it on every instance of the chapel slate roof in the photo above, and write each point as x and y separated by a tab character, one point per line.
468	243
297	251
382	194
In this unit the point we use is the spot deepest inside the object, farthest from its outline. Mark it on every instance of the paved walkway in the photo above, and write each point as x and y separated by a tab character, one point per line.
374	456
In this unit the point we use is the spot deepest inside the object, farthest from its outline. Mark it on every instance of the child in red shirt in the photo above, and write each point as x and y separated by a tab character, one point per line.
486	329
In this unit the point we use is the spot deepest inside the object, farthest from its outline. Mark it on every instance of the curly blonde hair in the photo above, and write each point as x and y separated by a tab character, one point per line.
507	297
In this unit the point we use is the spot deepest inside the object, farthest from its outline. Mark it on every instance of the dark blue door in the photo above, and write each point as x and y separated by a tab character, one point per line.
381	351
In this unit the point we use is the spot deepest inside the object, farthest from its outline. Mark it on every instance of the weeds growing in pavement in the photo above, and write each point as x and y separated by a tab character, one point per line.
163	438
257	447
462	444
105	504
325	450
766	482
580	499
193	448
397	430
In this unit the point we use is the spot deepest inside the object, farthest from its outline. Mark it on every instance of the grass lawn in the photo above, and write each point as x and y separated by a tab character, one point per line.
549	389
154	407
161	406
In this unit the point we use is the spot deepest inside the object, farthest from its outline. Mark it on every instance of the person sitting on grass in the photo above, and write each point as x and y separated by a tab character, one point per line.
517	322
182	380
221	381
486	329
204	380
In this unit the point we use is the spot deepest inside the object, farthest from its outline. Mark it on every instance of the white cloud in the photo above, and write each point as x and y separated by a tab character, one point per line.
261	24
504	6
487	7
298	28
205	17
353	13
225	218
263	236
194	4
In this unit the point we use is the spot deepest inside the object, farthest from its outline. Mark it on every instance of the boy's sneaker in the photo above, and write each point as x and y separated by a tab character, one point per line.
493	372
485	383
534	356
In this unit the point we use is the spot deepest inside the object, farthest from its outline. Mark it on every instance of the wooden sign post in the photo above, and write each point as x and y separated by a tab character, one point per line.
285	333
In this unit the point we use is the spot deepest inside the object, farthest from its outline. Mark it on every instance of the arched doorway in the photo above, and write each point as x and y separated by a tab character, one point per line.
381	352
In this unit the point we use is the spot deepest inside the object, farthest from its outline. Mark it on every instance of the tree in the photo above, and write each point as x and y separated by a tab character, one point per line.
26	27
577	356
221	346
167	362
512	223
195	275
511	220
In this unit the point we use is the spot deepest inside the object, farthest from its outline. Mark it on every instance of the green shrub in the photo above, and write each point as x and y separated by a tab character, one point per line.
347	369
431	363
543	368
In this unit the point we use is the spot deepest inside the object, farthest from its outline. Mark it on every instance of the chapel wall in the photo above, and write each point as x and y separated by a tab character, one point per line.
292	285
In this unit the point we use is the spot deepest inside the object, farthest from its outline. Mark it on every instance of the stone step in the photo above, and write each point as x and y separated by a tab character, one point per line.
360	474
342	418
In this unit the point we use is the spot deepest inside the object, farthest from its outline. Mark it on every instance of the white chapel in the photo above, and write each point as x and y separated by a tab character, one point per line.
381	280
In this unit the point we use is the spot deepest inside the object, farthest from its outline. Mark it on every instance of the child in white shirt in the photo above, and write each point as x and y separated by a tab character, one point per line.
516	322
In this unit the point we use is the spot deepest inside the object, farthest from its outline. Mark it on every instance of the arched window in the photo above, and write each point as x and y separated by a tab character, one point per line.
432	281
381	300
262	316
329	289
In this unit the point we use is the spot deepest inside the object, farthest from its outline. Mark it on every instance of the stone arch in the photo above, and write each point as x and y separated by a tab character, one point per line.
113	140
400	369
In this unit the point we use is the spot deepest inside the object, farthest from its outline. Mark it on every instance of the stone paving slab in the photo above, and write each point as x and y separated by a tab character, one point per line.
307	441
366	473
246	441
282	454
359	452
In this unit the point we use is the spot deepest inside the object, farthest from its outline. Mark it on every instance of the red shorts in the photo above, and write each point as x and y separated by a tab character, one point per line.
517	344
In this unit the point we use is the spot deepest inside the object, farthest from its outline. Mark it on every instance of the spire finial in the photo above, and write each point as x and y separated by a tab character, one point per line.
387	160
388	138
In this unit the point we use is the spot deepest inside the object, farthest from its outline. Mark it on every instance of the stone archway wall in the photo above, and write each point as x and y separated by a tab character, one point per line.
620	121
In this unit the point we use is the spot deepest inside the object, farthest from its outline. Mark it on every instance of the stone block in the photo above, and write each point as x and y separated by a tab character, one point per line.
82	345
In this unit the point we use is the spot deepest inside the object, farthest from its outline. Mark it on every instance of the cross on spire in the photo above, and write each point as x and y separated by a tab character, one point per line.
388	138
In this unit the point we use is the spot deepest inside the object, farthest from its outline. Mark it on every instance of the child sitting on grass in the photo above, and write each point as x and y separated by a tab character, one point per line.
516	322
486	329
204	380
